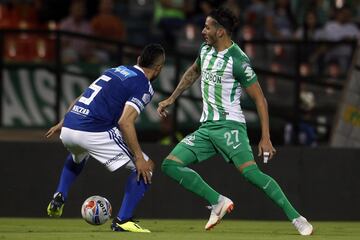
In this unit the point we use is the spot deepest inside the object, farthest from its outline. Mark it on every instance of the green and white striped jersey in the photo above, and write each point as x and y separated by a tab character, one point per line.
223	75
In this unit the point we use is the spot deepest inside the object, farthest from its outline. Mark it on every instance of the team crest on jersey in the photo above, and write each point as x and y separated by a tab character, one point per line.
219	63
146	98
188	140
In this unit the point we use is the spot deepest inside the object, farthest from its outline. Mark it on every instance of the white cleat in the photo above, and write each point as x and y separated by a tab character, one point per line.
303	226
218	211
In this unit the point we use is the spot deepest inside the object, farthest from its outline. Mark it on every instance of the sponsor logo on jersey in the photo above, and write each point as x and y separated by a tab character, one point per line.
208	76
138	103
80	110
189	140
124	72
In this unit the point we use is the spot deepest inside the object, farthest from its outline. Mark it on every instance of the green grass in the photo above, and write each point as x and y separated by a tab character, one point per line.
66	229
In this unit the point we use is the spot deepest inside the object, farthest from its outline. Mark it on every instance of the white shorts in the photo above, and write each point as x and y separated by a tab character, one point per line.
108	147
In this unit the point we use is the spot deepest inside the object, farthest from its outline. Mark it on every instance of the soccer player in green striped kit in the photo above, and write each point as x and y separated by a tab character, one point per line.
225	71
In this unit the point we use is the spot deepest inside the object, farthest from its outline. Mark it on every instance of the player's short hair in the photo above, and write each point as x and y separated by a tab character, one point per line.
150	55
225	18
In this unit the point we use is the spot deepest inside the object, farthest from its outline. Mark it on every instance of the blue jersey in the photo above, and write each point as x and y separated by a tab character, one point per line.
102	103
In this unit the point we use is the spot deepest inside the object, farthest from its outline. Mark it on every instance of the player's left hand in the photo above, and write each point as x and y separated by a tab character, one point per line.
144	169
54	129
266	148
151	164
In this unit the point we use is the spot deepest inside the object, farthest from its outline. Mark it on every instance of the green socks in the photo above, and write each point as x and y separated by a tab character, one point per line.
272	190
190	180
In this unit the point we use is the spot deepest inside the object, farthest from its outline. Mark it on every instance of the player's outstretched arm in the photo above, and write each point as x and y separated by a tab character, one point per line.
189	77
127	127
265	146
56	128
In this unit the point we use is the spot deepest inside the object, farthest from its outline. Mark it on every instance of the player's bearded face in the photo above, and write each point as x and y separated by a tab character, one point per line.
209	31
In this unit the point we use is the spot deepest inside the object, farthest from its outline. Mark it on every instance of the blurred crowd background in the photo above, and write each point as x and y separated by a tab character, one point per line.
301	50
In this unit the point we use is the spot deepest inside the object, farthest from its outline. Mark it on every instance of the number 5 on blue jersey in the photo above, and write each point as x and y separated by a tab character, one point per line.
96	89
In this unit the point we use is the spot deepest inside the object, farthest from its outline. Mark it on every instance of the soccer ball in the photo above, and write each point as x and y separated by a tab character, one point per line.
96	210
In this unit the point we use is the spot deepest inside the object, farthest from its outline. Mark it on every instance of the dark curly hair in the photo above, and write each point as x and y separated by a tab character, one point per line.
225	18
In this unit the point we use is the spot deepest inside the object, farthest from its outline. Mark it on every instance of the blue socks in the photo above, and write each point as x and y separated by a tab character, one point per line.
68	175
134	192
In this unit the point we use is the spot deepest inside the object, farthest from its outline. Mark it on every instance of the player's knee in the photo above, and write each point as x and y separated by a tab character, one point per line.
169	165
165	166
258	178
246	166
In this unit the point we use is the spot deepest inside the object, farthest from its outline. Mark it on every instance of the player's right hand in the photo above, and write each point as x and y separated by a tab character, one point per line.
163	105
54	130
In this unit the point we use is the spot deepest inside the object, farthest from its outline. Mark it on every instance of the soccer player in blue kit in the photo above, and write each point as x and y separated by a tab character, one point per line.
101	124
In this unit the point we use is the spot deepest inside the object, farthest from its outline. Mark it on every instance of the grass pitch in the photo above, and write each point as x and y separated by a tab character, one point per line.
69	229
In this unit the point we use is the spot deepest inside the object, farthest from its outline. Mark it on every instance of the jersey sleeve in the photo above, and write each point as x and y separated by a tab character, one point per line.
198	59
140	98
244	73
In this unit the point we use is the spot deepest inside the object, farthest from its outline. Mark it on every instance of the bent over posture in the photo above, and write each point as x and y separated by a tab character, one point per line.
225	72
101	123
